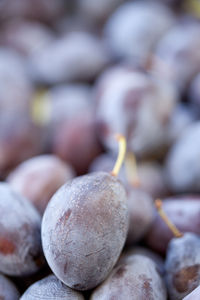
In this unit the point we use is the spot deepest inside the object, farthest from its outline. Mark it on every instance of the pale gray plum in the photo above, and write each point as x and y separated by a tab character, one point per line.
129	253
50	288
25	36
15	88
20	242
136	104
182	167
136	278
183	265
177	57
84	229
8	291
75	56
38	178
134	29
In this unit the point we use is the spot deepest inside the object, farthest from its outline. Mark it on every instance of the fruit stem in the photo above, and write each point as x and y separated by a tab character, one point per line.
41	108
132	170
172	227
121	155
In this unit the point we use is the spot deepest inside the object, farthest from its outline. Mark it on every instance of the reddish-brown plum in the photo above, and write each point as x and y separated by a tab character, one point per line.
38	178
76	141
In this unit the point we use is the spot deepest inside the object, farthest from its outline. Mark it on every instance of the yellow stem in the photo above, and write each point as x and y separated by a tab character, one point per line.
121	155
172	227
131	170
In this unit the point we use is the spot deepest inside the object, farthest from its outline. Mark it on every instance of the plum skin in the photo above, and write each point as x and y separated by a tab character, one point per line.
84	229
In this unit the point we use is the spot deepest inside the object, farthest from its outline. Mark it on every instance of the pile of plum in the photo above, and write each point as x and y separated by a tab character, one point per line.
80	215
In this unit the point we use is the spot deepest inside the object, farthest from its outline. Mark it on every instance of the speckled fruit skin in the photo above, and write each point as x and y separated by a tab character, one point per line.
20	242
84	229
8	290
50	288
137	278
183	265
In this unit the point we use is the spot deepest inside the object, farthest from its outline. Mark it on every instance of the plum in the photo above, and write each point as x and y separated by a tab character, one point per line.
26	36
20	139
50	288
20	243
38	178
84	229
140	207
177	57
138	105
135	278
75	56
8	291
76	141
183	211
134	29
182	170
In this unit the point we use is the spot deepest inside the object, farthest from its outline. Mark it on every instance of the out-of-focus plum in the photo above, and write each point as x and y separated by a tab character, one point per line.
25	36
136	104
8	291
20	240
182	162
20	139
75	56
76	141
38	178
15	87
135	27
45	10
177	57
